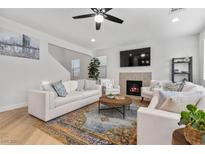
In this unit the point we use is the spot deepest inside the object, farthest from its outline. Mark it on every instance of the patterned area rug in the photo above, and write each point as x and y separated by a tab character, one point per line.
86	126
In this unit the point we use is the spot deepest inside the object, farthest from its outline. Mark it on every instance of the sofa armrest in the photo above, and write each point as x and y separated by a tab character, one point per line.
156	126
39	103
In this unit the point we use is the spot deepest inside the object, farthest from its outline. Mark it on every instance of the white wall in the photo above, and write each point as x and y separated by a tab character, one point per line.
161	54
201	58
18	75
65	56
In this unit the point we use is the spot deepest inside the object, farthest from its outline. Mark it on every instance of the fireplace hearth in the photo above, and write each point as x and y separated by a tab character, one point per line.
134	87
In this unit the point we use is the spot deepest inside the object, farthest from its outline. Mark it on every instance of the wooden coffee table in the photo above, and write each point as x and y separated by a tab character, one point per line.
114	103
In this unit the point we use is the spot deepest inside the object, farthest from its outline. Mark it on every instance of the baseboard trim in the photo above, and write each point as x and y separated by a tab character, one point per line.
12	107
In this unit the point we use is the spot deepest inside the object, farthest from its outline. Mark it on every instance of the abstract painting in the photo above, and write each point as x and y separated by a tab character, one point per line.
18	45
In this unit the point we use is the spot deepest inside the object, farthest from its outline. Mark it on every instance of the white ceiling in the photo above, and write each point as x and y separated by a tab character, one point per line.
139	25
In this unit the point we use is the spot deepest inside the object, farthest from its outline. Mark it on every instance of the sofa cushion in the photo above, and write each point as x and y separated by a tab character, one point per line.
67	86
198	88
81	85
71	97
73	85
90	85
59	88
188	86
89	93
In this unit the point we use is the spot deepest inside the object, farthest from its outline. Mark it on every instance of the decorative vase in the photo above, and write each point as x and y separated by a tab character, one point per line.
193	136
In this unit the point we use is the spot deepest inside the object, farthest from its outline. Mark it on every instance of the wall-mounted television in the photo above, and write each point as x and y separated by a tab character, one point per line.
135	57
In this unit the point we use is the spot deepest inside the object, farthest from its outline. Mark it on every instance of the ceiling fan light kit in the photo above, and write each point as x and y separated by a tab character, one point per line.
99	18
99	15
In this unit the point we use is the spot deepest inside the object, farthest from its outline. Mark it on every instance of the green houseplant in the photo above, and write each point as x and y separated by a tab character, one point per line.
194	119
93	69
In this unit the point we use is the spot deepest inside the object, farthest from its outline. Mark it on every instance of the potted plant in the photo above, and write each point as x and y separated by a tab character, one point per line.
93	69
194	119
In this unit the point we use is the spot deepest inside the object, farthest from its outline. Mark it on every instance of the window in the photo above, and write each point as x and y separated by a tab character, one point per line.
103	66
75	72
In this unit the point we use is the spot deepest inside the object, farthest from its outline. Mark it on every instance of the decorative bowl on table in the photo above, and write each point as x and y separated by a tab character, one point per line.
111	96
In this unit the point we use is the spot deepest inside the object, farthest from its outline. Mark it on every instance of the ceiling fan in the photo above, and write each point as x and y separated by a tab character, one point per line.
99	15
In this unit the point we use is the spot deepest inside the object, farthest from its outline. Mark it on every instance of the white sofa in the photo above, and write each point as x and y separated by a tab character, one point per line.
110	85
156	126
46	105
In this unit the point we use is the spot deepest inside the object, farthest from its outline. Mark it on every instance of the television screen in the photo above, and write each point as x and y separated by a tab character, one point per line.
135	57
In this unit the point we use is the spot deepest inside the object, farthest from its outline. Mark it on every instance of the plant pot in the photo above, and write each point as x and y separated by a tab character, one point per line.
193	136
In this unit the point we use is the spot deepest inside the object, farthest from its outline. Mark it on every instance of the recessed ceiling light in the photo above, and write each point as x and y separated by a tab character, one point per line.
99	18
92	40
175	19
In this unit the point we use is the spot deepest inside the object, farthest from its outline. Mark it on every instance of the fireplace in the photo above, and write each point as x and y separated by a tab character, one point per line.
134	87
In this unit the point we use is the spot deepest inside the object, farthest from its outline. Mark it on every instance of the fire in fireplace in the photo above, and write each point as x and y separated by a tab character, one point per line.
134	87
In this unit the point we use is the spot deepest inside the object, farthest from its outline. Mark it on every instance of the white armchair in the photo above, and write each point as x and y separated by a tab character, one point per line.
155	126
111	87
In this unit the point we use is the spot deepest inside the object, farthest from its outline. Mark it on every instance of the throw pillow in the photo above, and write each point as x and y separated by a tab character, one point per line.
170	87
177	101
59	88
174	86
81	85
90	85
179	85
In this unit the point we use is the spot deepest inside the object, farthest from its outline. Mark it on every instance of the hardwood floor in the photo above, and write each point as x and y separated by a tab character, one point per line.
18	127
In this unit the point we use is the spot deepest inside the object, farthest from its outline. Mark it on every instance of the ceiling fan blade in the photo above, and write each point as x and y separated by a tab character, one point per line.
84	16
112	18
95	10
98	25
105	10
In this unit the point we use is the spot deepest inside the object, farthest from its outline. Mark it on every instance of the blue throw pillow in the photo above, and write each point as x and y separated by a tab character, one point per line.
59	88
